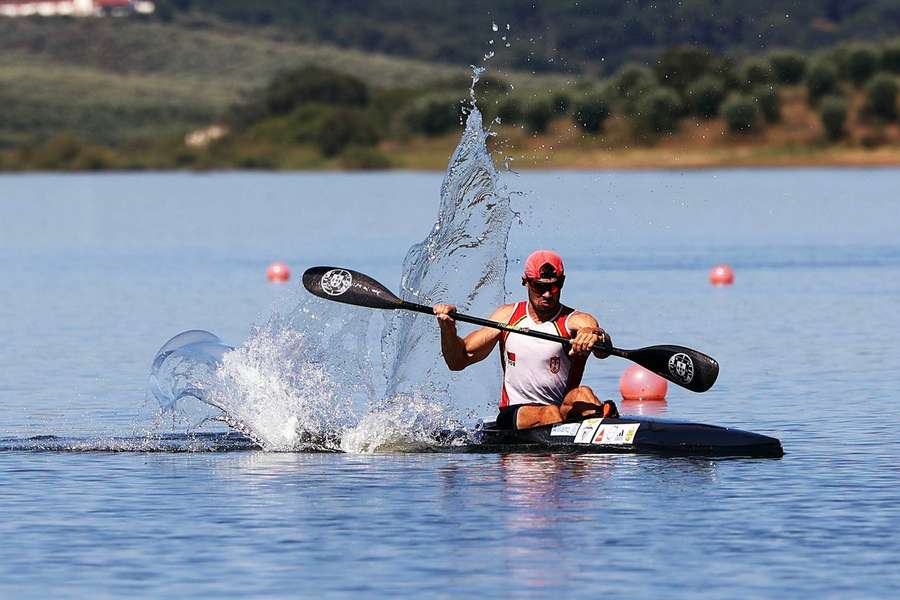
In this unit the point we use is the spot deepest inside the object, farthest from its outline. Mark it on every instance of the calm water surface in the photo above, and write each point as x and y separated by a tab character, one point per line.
98	271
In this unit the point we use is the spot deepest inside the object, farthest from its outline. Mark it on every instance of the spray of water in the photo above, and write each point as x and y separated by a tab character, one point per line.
290	386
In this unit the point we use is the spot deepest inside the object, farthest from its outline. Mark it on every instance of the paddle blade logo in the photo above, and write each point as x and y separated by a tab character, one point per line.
682	367
336	281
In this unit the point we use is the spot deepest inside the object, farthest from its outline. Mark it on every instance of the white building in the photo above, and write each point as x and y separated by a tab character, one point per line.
74	8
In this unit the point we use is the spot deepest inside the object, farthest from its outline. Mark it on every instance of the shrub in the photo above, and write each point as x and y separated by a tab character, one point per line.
93	158
681	66
705	96
631	82
58	153
289	89
560	102
740	112
834	115
342	128
538	115
356	157
492	86
881	96
861	63
821	79
510	111
434	115
591	112
788	66
890	57
658	111
754	72
769	103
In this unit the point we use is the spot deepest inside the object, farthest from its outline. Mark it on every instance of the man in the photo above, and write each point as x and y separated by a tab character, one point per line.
541	379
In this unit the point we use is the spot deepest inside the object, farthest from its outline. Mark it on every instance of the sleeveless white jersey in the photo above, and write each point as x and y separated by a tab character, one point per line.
537	371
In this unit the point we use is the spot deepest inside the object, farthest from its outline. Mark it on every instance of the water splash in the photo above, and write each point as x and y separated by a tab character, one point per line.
290	386
463	259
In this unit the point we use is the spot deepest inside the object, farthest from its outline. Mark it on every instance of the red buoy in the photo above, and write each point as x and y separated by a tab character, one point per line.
278	271
721	275
637	383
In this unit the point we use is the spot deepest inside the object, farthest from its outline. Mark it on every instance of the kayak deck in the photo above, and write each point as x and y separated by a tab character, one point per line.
636	435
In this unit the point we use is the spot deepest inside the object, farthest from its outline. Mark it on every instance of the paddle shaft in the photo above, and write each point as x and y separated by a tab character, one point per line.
501	326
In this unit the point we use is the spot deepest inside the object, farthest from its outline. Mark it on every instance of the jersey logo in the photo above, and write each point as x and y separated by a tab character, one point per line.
554	364
511	359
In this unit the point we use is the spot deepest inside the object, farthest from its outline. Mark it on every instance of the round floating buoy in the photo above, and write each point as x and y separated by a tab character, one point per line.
278	271
637	383
721	275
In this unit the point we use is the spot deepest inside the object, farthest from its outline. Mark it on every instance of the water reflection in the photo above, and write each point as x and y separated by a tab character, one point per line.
647	408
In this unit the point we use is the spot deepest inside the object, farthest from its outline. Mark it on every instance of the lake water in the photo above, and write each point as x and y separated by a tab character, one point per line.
98	271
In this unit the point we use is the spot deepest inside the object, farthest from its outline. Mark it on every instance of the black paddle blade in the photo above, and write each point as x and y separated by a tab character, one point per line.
688	368
348	286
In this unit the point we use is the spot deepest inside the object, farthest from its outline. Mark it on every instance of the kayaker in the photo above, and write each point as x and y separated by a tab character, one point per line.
541	379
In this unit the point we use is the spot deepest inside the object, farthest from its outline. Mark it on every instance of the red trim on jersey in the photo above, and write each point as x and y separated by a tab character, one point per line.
517	315
560	321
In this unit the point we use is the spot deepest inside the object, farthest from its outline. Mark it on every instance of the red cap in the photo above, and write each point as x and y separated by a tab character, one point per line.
544	264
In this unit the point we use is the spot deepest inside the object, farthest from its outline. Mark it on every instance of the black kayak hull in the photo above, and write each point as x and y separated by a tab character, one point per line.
636	435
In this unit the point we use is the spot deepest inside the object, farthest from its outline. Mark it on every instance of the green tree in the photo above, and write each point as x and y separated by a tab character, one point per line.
766	97
342	128
434	115
890	56
788	66
561	103
289	89
833	114
510	110
658	111
754	72
861	62
821	79
681	66
538	115
591	112
631	82
705	96
741	113
881	96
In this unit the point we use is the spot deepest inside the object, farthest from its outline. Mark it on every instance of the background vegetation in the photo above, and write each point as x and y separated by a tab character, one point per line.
124	93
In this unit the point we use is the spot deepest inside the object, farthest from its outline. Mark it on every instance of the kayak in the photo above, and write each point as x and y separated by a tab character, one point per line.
635	435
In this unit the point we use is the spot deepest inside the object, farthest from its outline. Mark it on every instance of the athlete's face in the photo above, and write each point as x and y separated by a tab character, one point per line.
544	294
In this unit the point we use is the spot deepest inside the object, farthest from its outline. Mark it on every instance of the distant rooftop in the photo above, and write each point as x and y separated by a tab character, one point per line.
74	8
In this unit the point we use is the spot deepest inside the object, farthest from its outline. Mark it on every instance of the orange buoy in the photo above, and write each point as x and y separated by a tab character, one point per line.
721	275
637	383
278	271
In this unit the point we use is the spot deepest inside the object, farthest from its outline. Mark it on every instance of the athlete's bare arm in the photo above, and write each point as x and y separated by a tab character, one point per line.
587	333
459	353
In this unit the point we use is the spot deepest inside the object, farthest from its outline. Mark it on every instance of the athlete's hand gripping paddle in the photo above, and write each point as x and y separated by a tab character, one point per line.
688	368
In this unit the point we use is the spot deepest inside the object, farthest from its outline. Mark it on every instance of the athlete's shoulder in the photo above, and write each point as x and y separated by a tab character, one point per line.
578	318
503	313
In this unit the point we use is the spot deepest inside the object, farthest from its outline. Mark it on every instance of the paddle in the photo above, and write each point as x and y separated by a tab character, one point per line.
688	368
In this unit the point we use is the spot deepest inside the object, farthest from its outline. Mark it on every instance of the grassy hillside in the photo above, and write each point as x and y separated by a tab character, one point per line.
110	80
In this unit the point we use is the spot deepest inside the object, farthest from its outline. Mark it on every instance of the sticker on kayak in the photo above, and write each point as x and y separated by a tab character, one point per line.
616	435
336	281
570	429
586	431
682	367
